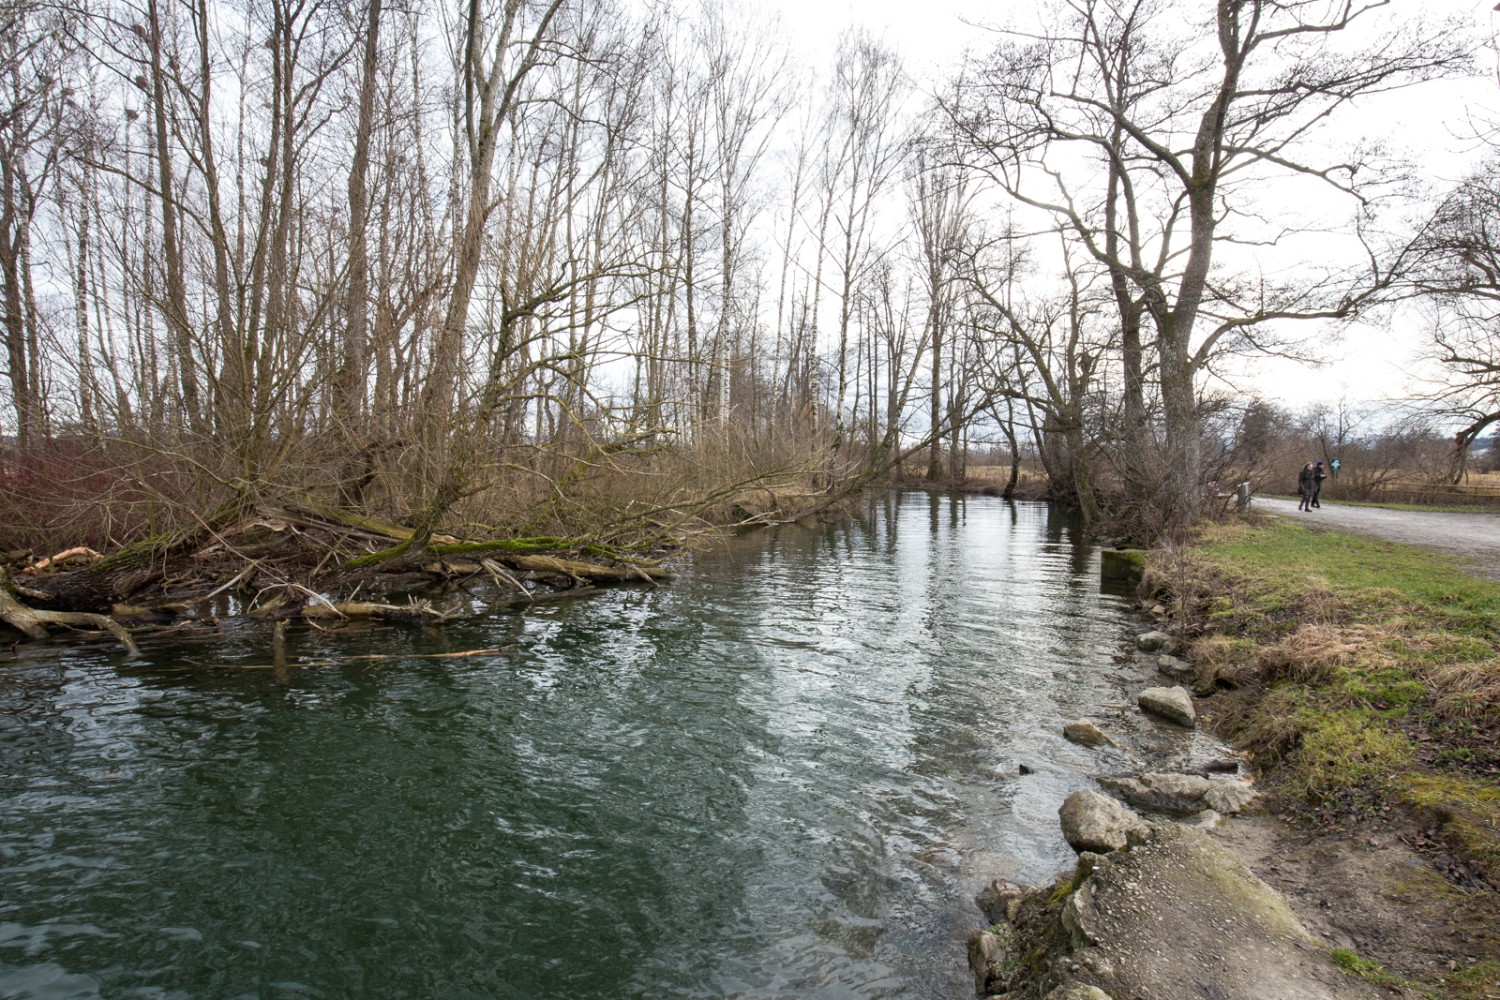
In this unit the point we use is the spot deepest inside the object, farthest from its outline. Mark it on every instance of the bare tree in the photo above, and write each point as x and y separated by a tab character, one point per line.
1182	132
1460	253
34	129
863	153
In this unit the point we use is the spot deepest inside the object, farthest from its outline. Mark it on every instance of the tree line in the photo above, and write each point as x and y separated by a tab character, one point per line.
469	259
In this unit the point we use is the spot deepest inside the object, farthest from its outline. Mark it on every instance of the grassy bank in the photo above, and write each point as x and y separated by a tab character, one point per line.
1363	677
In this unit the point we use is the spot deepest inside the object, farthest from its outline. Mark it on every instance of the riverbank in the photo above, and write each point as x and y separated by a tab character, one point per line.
1361	680
297	557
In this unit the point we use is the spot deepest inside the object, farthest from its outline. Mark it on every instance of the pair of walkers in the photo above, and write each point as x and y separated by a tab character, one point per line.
1309	485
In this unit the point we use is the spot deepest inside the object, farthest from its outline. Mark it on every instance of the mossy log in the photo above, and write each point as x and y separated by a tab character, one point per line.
156	550
358	522
516	546
33	623
589	572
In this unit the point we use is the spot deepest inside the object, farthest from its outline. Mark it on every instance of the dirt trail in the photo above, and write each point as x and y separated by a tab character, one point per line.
1472	538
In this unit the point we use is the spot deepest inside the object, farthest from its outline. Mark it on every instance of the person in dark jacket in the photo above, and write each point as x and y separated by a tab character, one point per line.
1306	483
1318	476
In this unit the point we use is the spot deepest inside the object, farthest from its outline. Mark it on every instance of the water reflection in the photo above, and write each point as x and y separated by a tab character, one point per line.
785	775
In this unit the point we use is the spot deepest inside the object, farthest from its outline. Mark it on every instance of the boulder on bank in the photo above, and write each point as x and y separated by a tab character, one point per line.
1180	793
1176	667
1229	796
1086	734
1150	642
1173	704
1095	822
1078	991
1209	677
998	900
1170	793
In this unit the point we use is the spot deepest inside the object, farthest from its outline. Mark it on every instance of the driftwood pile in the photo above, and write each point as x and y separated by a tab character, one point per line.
292	561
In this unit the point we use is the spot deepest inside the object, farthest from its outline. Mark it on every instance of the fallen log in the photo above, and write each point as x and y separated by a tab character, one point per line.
513	546
81	589
585	572
358	522
33	623
333	661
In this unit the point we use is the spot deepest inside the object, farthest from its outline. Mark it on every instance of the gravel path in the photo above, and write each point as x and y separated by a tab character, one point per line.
1473	538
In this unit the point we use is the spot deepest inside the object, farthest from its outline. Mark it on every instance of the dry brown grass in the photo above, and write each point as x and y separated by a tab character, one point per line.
1220	652
1467	691
1318	652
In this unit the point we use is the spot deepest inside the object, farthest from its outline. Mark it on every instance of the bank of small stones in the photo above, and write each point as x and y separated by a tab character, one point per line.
1032	948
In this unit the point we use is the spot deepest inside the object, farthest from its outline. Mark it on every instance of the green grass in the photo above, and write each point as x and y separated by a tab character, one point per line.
1284	565
1346	758
1480	981
1370	671
1364	968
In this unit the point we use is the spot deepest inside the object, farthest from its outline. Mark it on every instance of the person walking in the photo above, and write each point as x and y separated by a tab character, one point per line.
1305	484
1318	476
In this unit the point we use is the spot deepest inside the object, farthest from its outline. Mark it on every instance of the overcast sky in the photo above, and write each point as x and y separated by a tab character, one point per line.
1367	363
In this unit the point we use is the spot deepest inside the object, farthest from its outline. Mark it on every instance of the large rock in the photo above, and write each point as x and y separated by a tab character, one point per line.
1095	822
1229	796
989	958
1151	641
1085	733
1173	704
1078	991
1180	793
1208	820
1123	565
1176	667
998	900
1174	793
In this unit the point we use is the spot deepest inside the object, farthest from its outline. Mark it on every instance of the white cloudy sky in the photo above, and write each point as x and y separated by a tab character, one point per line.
1366	363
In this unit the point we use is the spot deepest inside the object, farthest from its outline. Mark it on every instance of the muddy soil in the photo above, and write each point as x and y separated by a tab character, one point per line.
1370	892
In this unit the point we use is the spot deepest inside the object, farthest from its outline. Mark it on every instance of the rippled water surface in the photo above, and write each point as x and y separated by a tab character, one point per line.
784	775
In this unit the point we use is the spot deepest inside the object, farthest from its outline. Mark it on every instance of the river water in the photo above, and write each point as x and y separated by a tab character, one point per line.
784	775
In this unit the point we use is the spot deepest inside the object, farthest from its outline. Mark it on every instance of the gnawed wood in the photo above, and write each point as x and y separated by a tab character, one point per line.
75	554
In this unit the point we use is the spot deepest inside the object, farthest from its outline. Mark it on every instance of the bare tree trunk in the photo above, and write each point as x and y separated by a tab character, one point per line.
174	307
349	392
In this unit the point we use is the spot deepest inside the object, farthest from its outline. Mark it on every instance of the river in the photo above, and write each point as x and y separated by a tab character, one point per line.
784	775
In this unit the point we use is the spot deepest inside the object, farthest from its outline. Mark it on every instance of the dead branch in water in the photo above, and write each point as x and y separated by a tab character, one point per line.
333	661
417	612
